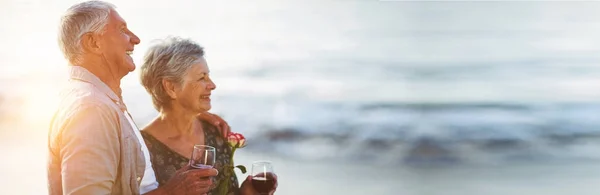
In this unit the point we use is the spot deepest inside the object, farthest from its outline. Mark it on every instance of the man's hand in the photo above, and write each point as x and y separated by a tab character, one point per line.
217	121
188	180
248	189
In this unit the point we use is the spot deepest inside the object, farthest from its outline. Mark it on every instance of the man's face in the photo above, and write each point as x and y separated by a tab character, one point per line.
117	45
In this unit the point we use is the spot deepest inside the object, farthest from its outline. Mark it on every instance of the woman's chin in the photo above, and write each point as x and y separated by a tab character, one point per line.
205	108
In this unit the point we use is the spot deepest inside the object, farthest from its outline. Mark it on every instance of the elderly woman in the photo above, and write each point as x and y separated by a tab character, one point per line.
177	77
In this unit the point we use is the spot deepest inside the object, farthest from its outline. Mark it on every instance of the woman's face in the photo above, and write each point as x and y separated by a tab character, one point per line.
194	92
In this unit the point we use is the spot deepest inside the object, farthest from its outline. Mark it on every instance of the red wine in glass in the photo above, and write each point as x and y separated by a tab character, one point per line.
263	180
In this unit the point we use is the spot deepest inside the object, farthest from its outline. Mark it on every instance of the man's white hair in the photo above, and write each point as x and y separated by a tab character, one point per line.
85	17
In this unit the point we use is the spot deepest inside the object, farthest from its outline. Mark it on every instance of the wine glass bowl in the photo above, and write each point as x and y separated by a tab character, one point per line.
263	179
203	157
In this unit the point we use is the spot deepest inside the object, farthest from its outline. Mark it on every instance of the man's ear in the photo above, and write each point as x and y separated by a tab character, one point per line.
169	87
90	43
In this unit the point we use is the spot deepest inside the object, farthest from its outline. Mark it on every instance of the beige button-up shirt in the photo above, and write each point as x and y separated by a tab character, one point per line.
92	146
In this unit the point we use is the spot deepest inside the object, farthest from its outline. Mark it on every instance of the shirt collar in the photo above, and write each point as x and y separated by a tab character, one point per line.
82	74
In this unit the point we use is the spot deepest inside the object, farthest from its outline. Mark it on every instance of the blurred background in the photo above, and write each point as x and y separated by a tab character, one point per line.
352	96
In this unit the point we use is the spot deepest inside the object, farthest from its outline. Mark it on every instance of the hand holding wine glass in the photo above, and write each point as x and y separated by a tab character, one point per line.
203	158
262	180
190	180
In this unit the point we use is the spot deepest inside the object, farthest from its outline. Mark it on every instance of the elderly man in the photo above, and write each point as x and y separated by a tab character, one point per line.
94	145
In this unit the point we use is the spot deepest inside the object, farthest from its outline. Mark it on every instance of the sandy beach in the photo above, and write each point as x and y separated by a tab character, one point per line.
351	178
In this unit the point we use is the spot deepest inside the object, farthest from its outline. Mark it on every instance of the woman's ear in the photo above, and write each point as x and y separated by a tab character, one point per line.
90	43
169	87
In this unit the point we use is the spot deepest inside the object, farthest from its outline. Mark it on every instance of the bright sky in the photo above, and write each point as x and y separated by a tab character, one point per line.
244	34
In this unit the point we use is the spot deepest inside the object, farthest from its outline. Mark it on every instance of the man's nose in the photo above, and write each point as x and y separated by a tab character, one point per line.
134	39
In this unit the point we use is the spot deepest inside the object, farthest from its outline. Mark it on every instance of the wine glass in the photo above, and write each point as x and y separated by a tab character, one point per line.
262	177
203	157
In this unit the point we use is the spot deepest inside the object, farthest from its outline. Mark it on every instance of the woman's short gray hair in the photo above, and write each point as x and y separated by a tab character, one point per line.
170	59
89	16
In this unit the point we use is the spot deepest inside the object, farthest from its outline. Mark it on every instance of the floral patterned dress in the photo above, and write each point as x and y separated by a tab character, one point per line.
166	162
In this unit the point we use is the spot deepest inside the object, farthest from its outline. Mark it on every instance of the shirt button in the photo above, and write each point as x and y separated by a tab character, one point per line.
139	179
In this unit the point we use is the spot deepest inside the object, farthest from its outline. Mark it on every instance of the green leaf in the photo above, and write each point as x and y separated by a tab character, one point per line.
242	168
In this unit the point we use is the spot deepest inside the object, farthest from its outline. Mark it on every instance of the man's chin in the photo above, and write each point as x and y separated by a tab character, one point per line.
129	64
126	69
131	67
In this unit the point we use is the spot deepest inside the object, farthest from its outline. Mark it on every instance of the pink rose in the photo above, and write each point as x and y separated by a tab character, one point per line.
236	140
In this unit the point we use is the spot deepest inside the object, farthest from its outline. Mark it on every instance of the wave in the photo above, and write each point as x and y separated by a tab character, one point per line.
423	132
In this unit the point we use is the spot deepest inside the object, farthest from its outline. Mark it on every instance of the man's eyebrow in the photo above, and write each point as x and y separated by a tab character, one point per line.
122	23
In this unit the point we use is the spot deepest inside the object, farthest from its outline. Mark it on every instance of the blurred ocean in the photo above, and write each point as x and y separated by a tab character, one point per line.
398	82
362	81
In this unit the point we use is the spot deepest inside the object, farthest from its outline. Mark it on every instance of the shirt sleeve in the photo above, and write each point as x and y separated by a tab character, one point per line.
90	151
